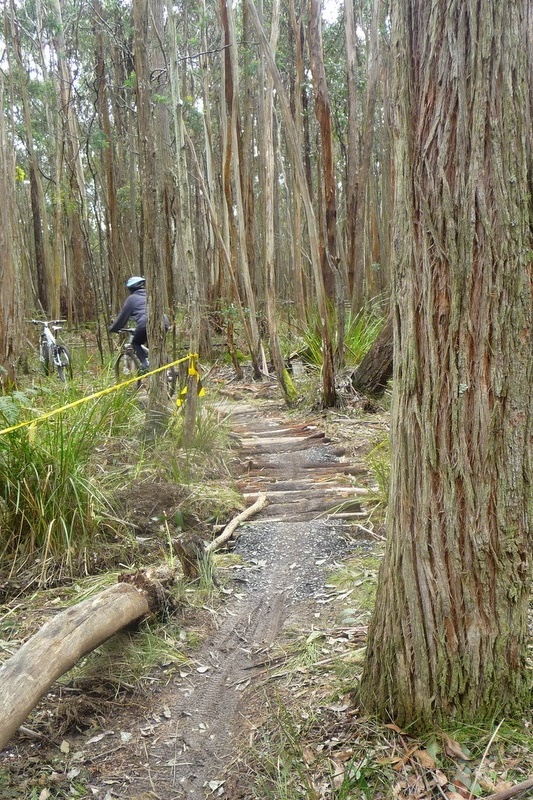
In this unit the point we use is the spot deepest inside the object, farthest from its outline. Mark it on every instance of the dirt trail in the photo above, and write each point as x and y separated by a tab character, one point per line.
289	547
183	746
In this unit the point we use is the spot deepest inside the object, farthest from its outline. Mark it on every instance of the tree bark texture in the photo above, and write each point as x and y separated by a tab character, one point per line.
448	635
152	209
58	645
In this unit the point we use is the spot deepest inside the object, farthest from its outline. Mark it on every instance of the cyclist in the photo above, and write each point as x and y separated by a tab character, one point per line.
135	307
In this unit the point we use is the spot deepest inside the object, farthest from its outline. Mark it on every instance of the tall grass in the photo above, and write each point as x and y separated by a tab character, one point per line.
360	331
51	506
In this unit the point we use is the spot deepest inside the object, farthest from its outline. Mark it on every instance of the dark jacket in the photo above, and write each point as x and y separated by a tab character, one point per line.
134	307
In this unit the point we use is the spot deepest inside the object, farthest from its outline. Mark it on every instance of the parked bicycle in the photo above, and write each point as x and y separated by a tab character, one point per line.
54	356
128	364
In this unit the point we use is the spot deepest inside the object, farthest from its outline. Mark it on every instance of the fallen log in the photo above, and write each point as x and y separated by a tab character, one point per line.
231	527
70	635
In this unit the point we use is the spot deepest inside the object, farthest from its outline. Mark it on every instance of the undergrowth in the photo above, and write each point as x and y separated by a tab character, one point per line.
309	737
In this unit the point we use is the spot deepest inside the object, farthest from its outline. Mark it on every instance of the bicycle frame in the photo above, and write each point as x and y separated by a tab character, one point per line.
50	351
128	354
127	346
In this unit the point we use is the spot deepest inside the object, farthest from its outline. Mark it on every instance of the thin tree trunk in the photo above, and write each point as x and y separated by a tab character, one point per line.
185	233
296	217
365	161
231	165
157	412
38	206
9	319
81	296
108	152
328	372
328	238
269	248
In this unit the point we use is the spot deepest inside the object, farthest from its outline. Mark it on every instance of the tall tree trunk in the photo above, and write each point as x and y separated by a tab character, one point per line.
297	35
108	151
10	316
38	206
157	412
448	638
327	237
365	161
79	287
231	165
269	249
352	144
328	371
194	280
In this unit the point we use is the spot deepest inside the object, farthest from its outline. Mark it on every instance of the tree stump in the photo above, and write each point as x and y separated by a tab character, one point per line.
375	370
193	556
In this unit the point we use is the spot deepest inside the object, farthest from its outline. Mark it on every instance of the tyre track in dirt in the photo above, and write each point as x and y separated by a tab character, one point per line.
195	731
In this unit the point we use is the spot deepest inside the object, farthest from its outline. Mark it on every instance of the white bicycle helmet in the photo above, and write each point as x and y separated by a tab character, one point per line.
135	282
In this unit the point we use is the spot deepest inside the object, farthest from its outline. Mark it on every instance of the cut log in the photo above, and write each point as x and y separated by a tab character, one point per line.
375	370
62	641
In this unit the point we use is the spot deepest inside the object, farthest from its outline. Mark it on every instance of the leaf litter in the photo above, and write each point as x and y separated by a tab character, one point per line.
302	731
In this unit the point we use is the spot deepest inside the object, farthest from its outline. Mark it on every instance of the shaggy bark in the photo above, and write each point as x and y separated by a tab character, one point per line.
449	633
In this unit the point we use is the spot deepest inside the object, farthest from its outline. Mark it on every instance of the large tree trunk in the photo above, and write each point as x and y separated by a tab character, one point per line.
449	632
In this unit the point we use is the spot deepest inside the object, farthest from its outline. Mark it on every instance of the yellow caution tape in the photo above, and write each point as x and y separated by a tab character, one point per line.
33	422
193	372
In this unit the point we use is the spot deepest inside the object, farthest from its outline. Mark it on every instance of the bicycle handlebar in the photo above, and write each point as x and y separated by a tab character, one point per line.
49	322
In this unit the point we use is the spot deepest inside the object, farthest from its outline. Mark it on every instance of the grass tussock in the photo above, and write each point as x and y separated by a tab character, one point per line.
52	505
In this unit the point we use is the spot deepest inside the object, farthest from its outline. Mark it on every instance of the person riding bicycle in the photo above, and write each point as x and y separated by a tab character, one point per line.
135	307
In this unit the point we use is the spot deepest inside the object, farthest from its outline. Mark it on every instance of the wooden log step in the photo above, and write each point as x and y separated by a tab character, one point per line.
273	432
318	492
282	445
322	505
268	472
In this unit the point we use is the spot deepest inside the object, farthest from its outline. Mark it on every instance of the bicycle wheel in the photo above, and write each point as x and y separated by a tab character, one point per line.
64	367
127	366
45	357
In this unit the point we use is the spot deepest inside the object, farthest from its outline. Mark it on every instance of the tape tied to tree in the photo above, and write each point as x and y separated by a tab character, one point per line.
193	373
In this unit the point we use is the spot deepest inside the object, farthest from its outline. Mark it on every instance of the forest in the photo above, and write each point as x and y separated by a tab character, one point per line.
330	205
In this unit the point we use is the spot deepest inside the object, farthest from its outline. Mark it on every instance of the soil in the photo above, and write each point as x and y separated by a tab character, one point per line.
181	739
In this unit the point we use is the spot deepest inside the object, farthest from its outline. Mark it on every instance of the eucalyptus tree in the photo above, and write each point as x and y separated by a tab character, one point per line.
38	202
235	218
328	371
448	638
152	211
10	318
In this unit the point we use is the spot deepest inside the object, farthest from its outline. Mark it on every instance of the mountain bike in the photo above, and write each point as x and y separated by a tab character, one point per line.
54	356
128	364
